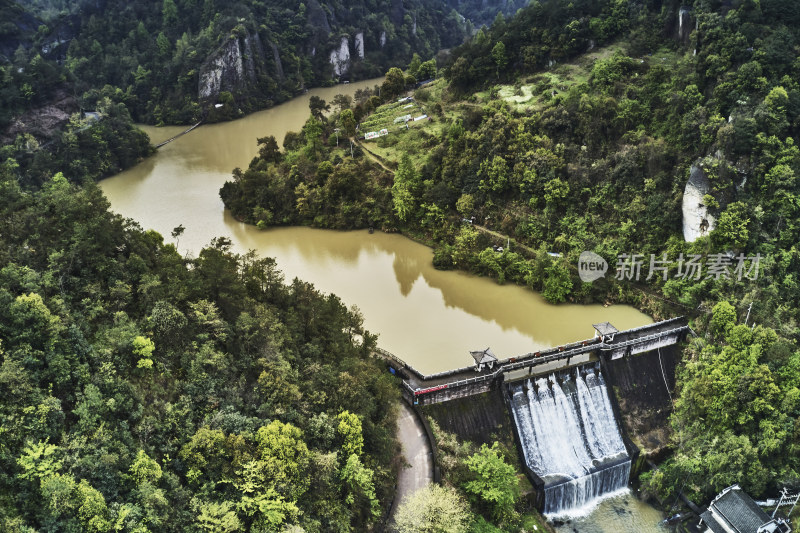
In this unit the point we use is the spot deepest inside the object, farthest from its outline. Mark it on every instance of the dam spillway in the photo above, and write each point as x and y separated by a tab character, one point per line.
569	437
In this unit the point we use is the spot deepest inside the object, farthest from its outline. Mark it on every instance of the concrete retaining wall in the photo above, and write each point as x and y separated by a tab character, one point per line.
643	397
478	419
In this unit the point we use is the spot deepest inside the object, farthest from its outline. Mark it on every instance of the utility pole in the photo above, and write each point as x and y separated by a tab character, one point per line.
786	496
783	495
796	499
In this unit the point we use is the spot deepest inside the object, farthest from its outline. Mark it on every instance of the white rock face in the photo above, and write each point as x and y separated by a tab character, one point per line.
694	211
383	38
276	56
228	64
340	57
360	44
683	23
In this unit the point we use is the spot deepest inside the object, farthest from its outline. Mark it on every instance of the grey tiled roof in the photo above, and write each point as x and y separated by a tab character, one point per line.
605	328
739	511
711	523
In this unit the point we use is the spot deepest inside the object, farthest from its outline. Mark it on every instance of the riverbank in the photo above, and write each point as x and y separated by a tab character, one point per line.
322	183
389	277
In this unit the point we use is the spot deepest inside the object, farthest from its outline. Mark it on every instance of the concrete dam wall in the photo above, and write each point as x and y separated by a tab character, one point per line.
643	387
480	419
582	415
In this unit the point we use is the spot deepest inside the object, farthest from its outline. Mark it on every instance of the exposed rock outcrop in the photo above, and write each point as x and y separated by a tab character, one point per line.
340	57
250	43
684	24
234	66
697	221
45	121
360	44
224	71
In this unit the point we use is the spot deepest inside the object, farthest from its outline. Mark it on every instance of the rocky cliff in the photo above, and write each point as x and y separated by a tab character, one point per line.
697	221
340	57
360	44
234	66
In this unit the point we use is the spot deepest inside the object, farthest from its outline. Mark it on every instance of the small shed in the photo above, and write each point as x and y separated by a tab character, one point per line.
483	357
605	331
734	511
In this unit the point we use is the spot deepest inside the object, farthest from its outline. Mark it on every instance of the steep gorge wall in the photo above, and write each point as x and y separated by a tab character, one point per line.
234	66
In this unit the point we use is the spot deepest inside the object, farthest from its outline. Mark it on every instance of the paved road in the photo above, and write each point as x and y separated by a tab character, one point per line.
417	452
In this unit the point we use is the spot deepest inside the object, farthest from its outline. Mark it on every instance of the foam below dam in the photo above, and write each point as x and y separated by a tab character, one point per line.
570	438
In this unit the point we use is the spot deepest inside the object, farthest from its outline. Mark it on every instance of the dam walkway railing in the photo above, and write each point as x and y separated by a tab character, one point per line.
458	382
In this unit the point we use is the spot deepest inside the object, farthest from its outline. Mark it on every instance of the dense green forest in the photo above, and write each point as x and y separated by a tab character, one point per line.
142	391
573	126
171	62
160	54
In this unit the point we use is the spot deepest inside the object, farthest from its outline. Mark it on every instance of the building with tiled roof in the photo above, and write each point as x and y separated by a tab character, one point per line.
734	511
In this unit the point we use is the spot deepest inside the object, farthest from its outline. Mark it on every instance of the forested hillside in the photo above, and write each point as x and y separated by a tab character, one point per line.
142	391
179	62
171	60
574	126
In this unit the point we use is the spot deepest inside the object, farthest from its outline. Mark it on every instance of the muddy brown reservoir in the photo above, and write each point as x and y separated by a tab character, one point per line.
429	318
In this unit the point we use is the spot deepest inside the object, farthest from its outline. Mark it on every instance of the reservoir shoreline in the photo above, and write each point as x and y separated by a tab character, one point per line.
430	318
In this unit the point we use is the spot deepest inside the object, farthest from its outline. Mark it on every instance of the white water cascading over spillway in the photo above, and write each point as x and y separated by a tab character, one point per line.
570	438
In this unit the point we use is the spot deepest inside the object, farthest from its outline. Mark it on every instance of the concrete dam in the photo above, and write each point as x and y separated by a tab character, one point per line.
563	411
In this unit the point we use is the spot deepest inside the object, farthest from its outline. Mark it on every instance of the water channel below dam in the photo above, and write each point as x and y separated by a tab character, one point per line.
429	318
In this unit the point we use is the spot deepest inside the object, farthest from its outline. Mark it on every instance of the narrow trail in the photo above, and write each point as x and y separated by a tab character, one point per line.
503	237
372	156
417	453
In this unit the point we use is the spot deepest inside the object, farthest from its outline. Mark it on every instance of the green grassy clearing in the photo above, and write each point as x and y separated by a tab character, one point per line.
534	91
420	136
525	95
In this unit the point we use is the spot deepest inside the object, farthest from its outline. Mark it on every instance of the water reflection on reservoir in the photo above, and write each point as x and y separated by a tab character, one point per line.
430	318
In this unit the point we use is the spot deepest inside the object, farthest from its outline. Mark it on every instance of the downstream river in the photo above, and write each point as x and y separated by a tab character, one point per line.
428	317
621	513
